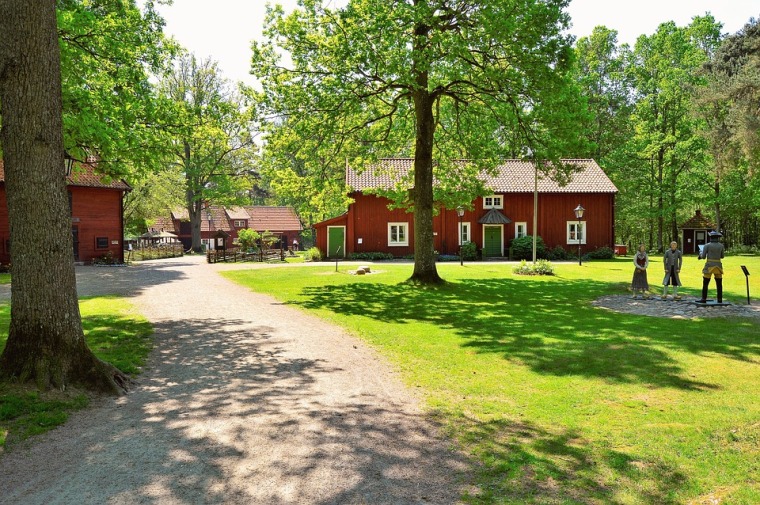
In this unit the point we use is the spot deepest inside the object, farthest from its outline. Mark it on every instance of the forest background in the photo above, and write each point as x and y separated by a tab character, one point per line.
672	120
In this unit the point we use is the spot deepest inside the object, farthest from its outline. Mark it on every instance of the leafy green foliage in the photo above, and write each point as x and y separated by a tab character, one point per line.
469	251
213	137
248	238
370	256
109	48
540	267
374	79
521	248
312	254
557	254
603	253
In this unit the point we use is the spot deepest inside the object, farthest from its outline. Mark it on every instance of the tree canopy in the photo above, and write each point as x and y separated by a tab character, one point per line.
437	79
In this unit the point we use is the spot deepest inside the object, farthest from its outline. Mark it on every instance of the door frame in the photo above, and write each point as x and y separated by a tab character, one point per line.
501	238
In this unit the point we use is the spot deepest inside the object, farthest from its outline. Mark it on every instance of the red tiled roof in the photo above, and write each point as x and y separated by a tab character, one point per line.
260	218
218	216
274	219
237	213
698	222
85	175
513	176
163	224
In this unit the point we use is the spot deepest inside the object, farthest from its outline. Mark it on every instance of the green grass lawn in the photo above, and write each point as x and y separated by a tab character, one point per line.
555	400
115	333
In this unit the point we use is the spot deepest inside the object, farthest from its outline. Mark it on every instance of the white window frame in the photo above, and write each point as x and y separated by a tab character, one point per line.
239	223
493	202
467	232
571	238
399	226
524	226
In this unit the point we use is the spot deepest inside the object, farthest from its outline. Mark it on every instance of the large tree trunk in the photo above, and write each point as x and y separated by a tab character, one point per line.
425	271
45	340
194	207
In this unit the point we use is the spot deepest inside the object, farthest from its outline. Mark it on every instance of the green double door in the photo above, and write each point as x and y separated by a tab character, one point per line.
492	241
336	241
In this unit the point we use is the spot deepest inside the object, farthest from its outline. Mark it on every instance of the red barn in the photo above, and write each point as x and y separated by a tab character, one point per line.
97	211
493	221
280	221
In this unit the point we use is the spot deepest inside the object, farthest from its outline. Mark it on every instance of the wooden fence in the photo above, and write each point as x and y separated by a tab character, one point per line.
235	255
153	252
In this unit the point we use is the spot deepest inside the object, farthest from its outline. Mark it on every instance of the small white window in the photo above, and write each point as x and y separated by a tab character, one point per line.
464	233
576	232
398	234
521	229
493	202
239	223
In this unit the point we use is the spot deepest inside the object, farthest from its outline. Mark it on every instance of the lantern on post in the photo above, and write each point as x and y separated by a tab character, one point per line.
579	210
460	213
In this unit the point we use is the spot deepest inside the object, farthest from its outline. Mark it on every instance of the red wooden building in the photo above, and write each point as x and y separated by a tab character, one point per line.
97	211
695	233
280	221
491	222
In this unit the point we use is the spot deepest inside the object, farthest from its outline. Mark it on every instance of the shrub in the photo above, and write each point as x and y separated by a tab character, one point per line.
469	251
745	249
370	256
247	238
448	257
522	248
105	259
603	253
558	254
312	254
541	267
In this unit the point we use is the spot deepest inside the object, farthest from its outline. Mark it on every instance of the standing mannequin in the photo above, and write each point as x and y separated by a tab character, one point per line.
639	282
712	252
673	260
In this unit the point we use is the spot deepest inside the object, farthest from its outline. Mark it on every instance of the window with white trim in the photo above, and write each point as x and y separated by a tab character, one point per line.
576	232
493	202
464	233
239	223
521	229
398	234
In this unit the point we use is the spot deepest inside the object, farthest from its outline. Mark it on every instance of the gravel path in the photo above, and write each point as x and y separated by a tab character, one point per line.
244	401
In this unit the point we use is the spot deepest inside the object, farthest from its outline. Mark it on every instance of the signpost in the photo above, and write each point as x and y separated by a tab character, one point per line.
746	276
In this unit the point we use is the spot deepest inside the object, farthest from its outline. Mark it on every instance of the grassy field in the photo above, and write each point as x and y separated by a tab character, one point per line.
557	401
113	331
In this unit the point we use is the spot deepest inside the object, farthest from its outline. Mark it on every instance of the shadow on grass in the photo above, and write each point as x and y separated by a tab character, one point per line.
531	465
549	327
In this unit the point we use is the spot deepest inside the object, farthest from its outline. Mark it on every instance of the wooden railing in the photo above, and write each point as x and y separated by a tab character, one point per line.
236	255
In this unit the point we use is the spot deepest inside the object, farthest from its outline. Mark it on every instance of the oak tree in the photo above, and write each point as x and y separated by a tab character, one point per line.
441	79
45	339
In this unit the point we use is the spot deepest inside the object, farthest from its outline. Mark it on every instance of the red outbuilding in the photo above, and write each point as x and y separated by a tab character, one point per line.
491	221
97	212
282	222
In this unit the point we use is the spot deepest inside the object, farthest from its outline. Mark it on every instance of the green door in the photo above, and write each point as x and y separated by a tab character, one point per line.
492	241
336	241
